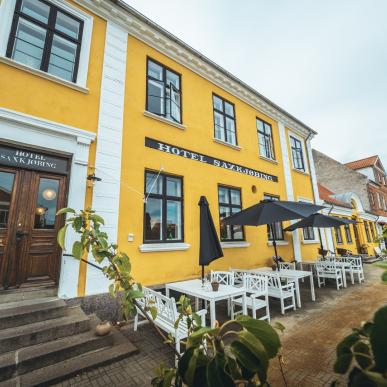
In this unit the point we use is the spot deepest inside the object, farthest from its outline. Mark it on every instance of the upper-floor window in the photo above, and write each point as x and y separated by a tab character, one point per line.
278	229
163	91
297	154
339	237
230	202
46	38
348	235
372	199
265	139
224	120
163	212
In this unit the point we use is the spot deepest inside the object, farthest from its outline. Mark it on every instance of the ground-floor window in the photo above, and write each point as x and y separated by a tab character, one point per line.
308	233
163	210
278	229
367	230
339	237
230	202
348	235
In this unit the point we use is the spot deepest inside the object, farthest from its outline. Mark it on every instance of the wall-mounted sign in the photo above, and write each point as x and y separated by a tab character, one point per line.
178	151
22	158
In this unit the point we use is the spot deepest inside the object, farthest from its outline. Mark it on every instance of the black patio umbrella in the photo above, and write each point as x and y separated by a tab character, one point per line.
320	221
271	211
210	248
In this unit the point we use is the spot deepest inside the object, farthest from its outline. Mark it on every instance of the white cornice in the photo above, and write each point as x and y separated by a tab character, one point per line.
159	39
82	136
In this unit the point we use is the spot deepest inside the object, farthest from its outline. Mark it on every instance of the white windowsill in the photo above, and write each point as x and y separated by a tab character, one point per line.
278	243
310	242
164	120
301	172
269	160
43	74
221	142
234	245
152	247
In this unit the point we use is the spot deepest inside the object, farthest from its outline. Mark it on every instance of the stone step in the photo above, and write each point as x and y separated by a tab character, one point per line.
57	372
14	338
15	314
28	359
31	293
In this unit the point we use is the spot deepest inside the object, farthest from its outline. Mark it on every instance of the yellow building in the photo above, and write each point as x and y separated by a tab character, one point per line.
101	107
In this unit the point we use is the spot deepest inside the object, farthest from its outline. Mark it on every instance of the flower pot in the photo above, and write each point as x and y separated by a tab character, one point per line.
215	286
274	267
103	328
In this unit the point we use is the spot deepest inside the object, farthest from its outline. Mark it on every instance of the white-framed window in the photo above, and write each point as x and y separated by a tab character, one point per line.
46	37
224	120
308	233
265	139
278	229
298	153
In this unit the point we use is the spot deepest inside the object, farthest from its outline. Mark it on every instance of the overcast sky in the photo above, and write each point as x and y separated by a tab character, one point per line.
324	61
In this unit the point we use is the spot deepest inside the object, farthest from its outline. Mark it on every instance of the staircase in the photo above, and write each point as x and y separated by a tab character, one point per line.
43	341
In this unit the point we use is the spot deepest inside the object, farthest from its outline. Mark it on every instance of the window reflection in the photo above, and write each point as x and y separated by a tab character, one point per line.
6	184
46	204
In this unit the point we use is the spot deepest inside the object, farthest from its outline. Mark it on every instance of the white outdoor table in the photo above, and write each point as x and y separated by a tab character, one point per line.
341	265
194	288
295	275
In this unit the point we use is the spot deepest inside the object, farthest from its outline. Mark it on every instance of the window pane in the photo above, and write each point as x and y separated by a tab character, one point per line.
29	44
67	25
155	70
235	197
260	125
153	216
152	185
173	187
6	185
218	105
174	79
229	109
225	230
173	103
36	9
155	97
62	59
230	129
223	195
267	129
173	220
219	126
46	202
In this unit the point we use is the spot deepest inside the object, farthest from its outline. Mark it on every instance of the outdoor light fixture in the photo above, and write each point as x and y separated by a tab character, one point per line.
49	194
92	179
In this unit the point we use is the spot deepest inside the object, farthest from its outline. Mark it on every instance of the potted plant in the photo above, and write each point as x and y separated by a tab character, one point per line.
215	286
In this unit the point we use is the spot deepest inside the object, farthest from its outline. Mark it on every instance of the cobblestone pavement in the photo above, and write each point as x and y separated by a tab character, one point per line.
309	341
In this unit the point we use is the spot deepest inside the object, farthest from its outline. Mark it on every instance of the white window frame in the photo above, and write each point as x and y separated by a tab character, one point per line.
304	154
7	9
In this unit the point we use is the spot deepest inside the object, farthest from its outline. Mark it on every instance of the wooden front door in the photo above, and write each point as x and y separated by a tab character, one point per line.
29	200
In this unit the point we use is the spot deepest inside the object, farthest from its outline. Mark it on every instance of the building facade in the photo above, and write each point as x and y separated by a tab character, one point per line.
350	194
102	108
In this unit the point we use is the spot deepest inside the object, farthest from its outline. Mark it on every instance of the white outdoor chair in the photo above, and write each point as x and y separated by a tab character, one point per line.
238	276
283	292
224	278
167	315
379	253
287	265
256	286
329	270
356	268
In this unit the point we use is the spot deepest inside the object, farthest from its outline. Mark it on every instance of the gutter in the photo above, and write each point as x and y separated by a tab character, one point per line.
196	53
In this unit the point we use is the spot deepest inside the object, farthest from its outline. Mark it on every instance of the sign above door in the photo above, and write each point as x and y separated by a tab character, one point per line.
22	158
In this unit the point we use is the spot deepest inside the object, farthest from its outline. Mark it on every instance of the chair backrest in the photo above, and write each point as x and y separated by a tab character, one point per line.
274	281
255	283
377	250
166	307
326	267
356	262
223	277
238	275
287	265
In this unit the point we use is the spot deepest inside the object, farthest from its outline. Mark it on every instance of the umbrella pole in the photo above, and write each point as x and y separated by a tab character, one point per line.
275	246
202	274
321	244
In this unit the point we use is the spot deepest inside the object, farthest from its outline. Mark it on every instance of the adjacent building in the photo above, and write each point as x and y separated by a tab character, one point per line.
350	189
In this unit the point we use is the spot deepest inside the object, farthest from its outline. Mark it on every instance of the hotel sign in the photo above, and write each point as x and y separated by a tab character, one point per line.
178	151
21	158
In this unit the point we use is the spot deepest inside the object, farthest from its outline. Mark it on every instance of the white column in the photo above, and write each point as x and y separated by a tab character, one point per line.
289	185
106	194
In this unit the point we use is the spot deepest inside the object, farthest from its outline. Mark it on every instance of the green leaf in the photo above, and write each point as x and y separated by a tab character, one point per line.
344	347
360	349
153	312
190	373
216	375
376	378
77	224
342	363
384	277
77	250
65	211
378	339
264	332
61	236
97	218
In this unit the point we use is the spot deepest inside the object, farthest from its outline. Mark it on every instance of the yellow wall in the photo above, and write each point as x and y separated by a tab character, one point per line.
34	95
199	179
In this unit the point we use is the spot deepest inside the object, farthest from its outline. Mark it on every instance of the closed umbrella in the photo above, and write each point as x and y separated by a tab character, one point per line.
210	248
319	221
271	211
